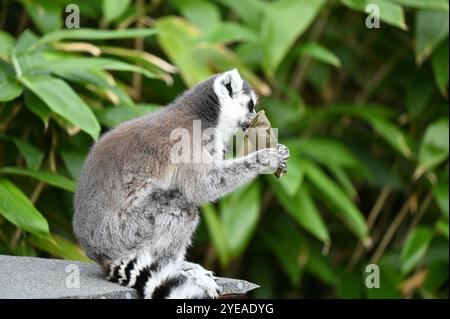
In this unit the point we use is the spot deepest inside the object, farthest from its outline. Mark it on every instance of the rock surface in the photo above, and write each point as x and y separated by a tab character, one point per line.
39	278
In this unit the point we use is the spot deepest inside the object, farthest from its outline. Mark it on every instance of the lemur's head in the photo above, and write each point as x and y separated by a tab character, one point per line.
236	98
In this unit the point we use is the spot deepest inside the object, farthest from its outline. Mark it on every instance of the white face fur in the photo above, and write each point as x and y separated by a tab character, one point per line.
237	102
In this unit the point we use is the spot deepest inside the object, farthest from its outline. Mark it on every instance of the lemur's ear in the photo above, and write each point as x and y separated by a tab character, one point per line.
230	82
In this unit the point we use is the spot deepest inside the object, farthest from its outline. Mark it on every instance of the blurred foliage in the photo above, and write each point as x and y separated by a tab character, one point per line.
364	112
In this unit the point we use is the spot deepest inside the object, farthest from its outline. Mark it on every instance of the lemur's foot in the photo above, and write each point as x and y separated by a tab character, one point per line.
187	265
203	279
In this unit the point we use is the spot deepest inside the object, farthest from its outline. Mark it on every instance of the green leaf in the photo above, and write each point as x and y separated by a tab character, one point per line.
147	60
176	36
33	156
321	267
292	181
440	193
38	107
201	13
345	209
319	53
99	82
25	41
415	247
303	209
240	213
10	88
7	43
62	100
377	116
217	233
425	4
389	12
48	178
442	227
46	15
113	116
431	30
389	280
434	146
349	286
288	245
59	247
418	95
20	211
319	149
226	32
437	276
277	37
440	65
71	63
392	134
73	160
95	34
113	9
344	180
251	11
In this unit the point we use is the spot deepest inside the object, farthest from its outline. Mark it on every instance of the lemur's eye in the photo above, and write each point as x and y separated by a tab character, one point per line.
251	105
229	89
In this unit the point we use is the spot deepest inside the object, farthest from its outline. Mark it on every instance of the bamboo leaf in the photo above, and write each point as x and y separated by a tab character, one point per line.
431	30
113	9
278	37
10	88
440	65
62	100
95	34
319	53
434	148
240	213
48	178
59	247
345	209
415	247
217	233
302	208
390	12
20	211
7	43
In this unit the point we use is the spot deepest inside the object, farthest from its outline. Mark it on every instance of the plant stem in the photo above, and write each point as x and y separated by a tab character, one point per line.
373	215
407	206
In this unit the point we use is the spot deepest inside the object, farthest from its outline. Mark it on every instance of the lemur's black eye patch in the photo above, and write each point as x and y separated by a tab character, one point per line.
229	89
251	105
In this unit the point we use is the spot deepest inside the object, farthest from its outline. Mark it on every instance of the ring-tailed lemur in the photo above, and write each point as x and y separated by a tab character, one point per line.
136	210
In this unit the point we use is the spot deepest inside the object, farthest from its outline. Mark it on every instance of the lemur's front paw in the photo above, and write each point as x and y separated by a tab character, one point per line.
283	153
272	158
268	158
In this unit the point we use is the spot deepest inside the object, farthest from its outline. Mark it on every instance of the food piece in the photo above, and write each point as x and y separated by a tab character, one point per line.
260	135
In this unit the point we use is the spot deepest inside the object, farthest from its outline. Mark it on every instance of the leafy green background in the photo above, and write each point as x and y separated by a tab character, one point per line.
364	112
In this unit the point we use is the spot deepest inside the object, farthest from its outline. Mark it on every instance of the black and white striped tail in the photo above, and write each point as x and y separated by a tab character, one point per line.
154	280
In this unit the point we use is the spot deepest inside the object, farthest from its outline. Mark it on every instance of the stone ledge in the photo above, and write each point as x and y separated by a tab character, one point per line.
40	278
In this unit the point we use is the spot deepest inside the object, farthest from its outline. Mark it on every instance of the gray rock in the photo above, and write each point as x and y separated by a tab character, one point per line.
32	278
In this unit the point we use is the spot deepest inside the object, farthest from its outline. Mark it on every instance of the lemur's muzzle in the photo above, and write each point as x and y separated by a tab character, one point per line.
245	125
